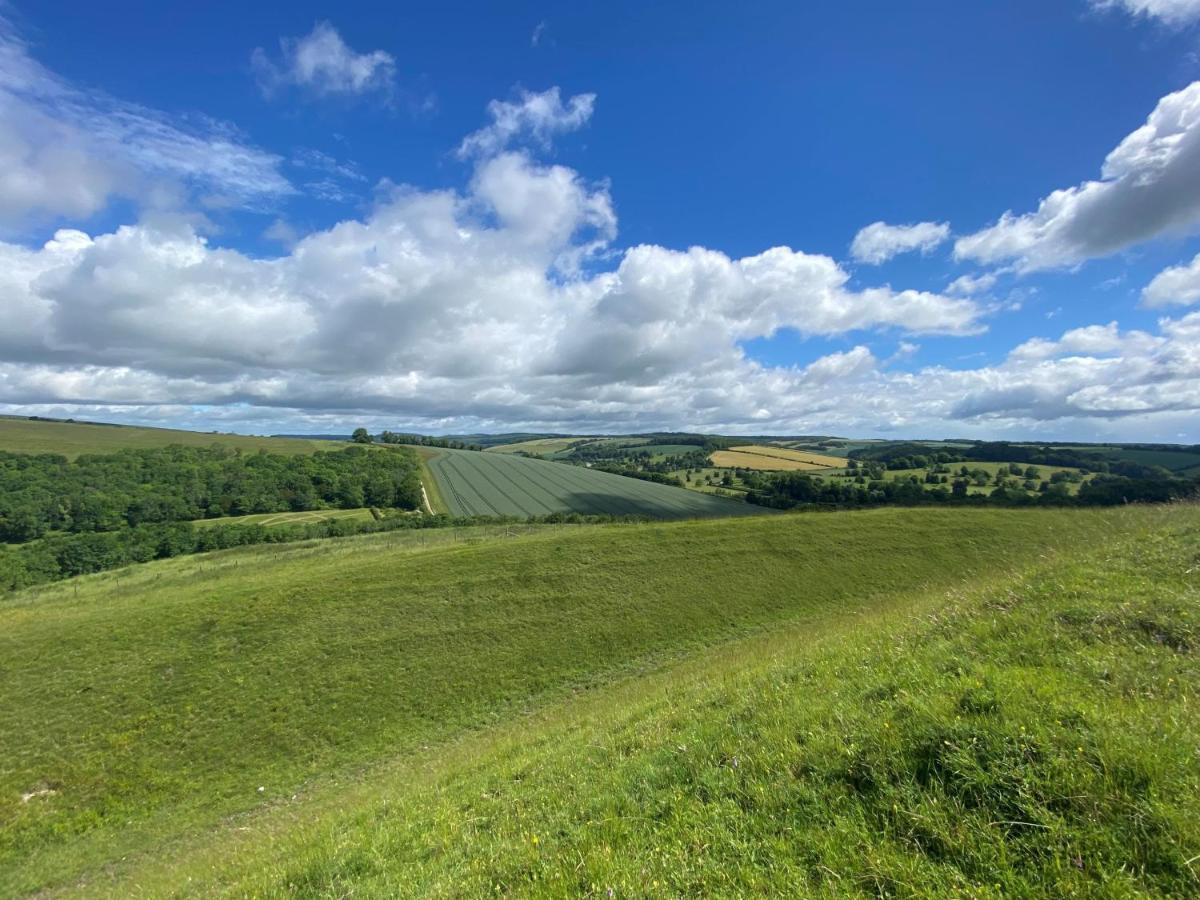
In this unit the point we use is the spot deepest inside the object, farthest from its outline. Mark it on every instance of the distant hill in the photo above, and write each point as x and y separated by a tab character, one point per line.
71	439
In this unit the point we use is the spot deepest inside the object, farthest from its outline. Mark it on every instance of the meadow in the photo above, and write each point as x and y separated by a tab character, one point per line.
978	702
72	439
474	484
537	446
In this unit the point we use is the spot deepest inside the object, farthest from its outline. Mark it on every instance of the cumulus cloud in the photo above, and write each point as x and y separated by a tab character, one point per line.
967	285
66	151
323	63
535	117
468	304
879	242
506	304
1091	373
1149	186
1171	12
1176	286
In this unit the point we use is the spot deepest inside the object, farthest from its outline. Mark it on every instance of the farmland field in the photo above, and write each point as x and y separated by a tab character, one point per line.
660	451
72	439
1168	459
538	446
494	484
780	459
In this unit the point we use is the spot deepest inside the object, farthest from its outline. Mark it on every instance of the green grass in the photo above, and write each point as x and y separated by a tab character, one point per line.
489	484
537	447
72	439
155	701
288	518
658	451
1029	735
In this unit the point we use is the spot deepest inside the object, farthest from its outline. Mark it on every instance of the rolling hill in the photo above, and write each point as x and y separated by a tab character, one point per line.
657	709
72	439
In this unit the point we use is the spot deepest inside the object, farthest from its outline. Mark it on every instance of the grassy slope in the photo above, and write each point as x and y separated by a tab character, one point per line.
72	439
1031	735
537	447
306	517
156	700
433	491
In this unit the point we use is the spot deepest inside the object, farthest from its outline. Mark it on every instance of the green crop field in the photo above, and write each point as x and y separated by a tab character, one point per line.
913	702
1168	459
661	450
490	484
72	439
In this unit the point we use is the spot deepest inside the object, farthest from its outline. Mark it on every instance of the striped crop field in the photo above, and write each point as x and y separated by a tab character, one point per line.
471	483
762	456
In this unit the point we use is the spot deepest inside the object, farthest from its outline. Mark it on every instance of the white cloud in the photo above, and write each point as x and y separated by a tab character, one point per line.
1176	286
967	285
282	232
474	305
539	33
879	242
323	63
534	117
1172	12
498	307
1149	186
66	152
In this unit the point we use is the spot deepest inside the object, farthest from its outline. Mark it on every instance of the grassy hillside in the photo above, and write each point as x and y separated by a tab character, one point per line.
72	439
538	446
1031	734
145	706
490	484
271	520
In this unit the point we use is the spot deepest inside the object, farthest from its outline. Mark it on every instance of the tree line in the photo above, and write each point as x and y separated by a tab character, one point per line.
47	493
792	490
362	436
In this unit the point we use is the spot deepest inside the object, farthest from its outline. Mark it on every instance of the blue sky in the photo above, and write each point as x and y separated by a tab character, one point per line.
861	218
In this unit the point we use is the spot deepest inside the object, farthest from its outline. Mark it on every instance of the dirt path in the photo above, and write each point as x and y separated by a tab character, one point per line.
425	500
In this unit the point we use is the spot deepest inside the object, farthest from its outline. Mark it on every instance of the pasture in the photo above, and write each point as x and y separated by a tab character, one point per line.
496	484
72	439
538	446
369	716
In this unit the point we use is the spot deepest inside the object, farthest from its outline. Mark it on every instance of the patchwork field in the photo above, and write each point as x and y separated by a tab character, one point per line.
642	708
72	439
774	459
496	484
